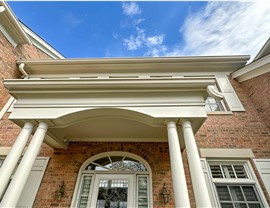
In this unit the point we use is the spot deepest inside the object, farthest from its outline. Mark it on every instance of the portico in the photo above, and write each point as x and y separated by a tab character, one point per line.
110	100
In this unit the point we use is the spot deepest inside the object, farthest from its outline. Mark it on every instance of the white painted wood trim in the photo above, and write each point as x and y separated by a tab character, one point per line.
226	153
6	107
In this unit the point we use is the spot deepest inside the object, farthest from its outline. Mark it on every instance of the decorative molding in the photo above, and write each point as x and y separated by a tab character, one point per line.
142	67
226	153
213	92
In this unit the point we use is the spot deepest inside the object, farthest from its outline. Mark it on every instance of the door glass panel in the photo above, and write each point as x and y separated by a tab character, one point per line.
142	192
84	192
112	194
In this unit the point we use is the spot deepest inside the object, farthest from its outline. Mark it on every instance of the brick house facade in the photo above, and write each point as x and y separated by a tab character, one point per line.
132	127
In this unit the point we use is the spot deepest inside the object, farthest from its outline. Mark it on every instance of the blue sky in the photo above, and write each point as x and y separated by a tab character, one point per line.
86	29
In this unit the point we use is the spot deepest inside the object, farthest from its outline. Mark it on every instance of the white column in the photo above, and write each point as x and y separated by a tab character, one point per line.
200	190
14	155
16	186
178	174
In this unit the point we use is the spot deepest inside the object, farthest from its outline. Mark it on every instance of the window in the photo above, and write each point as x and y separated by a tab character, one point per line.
113	180
235	184
212	105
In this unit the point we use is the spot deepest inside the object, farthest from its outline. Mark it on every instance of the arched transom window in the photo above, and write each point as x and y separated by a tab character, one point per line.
113	180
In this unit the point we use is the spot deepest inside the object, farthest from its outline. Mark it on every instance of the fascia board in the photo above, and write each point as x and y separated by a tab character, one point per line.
253	70
12	25
42	45
69	67
107	85
264	50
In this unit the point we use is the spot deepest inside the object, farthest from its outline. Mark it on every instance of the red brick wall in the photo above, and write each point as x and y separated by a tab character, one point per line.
9	70
65	165
239	130
258	90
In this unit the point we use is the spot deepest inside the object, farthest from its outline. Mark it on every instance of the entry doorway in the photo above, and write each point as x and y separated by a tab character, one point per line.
113	180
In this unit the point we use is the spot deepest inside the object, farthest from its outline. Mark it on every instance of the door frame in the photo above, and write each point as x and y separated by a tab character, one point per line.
131	188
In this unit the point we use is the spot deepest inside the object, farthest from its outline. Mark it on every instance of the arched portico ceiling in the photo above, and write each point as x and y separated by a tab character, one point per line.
111	125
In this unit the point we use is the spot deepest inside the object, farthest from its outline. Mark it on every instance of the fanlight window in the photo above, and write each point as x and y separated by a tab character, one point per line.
116	163
113	179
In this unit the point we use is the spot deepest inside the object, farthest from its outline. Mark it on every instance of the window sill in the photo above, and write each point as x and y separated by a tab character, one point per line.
220	113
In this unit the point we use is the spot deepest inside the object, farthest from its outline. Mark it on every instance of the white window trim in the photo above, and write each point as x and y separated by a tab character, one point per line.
220	104
252	179
105	154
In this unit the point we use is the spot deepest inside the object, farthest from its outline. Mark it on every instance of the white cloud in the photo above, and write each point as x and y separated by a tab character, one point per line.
153	44
131	9
136	41
157	50
115	35
154	40
226	28
136	22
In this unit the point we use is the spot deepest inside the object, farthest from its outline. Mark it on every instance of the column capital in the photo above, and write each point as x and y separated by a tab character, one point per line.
28	125
171	121
43	125
185	122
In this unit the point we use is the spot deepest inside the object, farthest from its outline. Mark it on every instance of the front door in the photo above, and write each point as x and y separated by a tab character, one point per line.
113	191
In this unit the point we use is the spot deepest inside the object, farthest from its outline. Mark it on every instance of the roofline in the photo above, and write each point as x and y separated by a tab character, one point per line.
20	36
190	65
264	49
42	44
189	59
252	70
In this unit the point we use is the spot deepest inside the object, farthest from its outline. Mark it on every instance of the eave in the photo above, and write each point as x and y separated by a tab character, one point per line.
265	50
92	68
11	27
252	70
42	44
